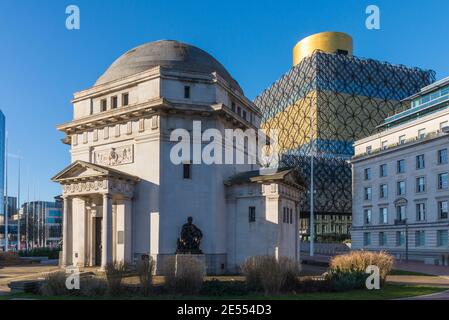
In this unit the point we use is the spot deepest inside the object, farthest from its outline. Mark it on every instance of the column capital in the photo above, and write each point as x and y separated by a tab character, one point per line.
107	195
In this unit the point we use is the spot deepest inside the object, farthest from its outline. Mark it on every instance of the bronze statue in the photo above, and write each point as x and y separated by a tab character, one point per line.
190	239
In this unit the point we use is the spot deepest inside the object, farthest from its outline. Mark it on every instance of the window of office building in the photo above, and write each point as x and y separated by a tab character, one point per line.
103	105
401	188
401	166
442	156
421	133
368	193
420	184
252	214
187	171
400	238
366	239
420	162
420	211
125	99
233	106
400	213
368	216
420	238
382	239
402	139
383	191
442	238
383	213
442	209
186	92
369	149
443	124
383	170
384	145
443	180
367	172
114	102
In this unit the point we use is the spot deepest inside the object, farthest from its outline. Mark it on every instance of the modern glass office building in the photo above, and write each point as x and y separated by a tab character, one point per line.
324	103
2	177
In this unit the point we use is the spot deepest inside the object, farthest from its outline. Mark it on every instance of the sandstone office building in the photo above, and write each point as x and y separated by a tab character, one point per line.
124	198
401	181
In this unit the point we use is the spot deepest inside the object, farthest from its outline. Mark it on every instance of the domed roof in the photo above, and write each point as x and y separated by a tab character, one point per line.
166	53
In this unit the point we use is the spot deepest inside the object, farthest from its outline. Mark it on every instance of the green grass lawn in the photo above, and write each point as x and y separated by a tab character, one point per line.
389	292
408	273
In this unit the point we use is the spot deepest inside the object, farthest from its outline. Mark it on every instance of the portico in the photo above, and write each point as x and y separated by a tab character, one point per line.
98	213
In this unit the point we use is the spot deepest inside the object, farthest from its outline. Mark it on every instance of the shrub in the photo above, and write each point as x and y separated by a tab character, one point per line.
270	275
51	253
115	273
145	270
348	270
9	257
311	285
217	288
183	274
93	286
54	284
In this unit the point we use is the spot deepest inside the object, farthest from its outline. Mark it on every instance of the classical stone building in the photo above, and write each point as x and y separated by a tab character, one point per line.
124	197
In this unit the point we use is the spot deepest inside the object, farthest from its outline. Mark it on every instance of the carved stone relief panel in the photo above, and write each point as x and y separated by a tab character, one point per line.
114	156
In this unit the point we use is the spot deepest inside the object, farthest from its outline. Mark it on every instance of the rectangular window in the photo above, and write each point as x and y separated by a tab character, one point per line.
383	191
400	238
442	156
420	238
186	92
125	99
252	214
421	133
233	106
443	180
402	139
382	239
443	124
368	216
368	149
368	193
420	184
367	173
442	209
284	215
383	170
442	238
400	213
244	114
187	171
103	105
114	102
383	215
239	111
384	145
366	239
400	188
420	212
420	162
401	166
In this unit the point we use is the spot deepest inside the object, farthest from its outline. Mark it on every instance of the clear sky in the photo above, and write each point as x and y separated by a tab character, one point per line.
42	63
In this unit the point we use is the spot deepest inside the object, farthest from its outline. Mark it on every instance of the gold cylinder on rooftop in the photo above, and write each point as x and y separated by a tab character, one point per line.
331	42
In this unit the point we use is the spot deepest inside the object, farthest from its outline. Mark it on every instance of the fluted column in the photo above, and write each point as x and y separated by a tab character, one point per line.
66	234
106	232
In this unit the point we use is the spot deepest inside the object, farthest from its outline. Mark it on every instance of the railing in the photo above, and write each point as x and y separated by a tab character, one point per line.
428	136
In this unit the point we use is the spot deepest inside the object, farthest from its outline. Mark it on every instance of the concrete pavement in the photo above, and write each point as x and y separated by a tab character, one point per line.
22	272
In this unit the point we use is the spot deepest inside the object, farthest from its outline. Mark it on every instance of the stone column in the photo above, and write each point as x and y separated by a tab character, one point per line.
128	230
106	232
66	234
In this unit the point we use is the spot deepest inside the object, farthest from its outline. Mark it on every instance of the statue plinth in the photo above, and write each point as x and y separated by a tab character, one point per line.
200	257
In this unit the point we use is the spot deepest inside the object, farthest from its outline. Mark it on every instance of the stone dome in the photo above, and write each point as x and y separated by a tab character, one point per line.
165	53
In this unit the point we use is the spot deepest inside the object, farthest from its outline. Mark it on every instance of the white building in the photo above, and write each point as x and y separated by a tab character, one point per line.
123	196
401	181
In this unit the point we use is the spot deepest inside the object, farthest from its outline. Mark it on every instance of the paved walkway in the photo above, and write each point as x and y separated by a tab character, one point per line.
22	272
422	268
434	296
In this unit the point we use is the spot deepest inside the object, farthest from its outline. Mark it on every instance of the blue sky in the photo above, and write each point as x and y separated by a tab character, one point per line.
42	63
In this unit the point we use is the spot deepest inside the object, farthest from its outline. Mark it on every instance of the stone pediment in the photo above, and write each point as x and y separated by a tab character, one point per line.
81	170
